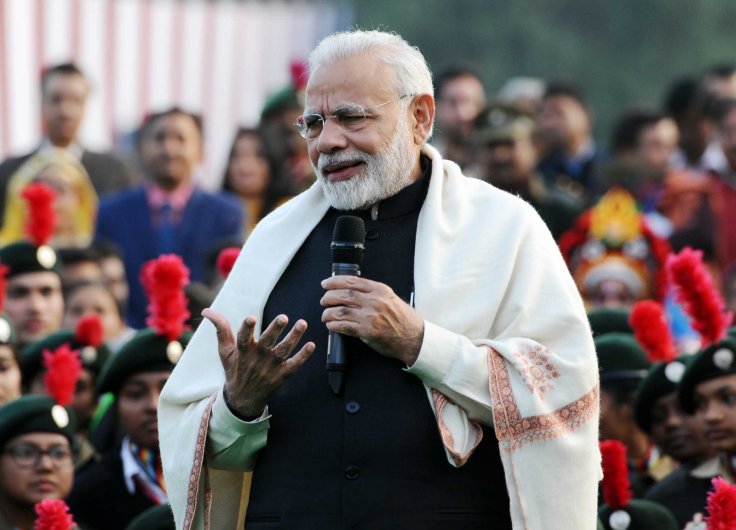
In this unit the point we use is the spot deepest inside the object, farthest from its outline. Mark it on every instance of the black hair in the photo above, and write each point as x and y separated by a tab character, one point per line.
59	69
151	119
72	256
721	70
106	249
73	288
723	108
566	89
630	125
451	74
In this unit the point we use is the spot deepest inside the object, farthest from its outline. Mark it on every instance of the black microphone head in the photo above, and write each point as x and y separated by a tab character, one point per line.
348	240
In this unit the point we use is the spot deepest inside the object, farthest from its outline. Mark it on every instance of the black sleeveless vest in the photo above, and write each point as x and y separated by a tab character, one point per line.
371	458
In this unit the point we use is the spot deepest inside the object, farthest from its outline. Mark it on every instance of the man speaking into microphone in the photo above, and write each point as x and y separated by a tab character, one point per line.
468	397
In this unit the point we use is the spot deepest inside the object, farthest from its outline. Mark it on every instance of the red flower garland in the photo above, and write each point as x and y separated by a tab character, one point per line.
53	514
164	279
615	483
63	369
652	332
721	506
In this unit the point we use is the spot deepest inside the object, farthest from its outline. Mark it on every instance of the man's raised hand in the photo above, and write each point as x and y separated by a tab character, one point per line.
255	370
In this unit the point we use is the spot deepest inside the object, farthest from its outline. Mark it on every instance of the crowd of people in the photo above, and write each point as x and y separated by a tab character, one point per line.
107	261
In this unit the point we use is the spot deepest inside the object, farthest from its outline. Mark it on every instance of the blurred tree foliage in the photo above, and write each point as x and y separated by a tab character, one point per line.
622	53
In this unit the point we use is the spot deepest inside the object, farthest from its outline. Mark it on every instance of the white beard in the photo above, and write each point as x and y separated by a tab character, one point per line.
383	174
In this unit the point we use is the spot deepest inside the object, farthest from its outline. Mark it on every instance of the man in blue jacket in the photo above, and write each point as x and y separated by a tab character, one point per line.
169	213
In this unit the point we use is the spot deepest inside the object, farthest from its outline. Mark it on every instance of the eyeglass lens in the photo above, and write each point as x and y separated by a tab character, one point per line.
29	455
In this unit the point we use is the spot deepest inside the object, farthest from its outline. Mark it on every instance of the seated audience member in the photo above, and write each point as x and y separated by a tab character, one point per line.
623	365
644	141
570	160
79	265
113	270
129	479
86	342
36	457
619	511
74	199
64	91
96	298
506	157
251	178
169	213
615	258
460	97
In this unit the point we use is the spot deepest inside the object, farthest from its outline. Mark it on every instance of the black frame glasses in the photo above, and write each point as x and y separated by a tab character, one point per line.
28	455
350	117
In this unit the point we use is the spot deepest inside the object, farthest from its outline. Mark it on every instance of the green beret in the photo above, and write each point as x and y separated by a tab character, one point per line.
147	351
640	514
156	518
24	257
620	357
599	525
661	380
31	358
717	360
29	414
607	320
286	98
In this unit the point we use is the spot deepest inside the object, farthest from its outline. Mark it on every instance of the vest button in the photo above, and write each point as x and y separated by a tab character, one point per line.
370	235
352	407
352	472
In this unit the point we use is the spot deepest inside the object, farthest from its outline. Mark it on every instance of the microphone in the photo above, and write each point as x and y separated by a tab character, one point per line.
348	245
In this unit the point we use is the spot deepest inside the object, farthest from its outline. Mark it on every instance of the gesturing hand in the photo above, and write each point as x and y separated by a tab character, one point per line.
372	312
255	370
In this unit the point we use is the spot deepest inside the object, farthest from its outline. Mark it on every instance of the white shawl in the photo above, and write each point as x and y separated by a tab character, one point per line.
507	345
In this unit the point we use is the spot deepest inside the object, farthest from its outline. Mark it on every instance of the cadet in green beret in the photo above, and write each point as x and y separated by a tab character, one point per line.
10	376
34	300
609	320
623	365
35	457
131	475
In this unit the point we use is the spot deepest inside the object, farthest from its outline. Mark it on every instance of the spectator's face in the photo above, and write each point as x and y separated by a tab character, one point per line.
23	484
716	407
9	375
695	132
616	418
677	434
94	300
509	163
113	270
459	104
35	305
563	122
62	107
248	169
170	149
727	131
360	162
657	144
82	271
137	401
84	400
611	293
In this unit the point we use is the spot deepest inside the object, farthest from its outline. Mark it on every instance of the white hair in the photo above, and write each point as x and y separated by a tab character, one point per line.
412	72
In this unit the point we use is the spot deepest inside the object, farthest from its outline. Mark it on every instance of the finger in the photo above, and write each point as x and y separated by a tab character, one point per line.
349	282
222	326
346	327
346	297
245	333
284	348
292	364
269	337
340	314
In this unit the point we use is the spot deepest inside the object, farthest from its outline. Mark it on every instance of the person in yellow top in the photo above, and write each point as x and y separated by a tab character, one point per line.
75	203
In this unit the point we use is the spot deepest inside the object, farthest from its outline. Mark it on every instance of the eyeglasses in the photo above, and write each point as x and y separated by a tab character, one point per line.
29	455
350	117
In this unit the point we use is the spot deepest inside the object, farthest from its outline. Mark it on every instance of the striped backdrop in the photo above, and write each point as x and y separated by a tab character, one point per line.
222	58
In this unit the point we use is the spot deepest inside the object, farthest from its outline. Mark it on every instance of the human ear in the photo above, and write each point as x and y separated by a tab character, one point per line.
422	109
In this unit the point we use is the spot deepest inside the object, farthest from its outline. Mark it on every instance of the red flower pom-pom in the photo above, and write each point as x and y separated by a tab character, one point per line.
652	332
616	483
721	506
63	369
299	74
90	330
41	221
3	285
226	260
53	514
164	279
696	292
